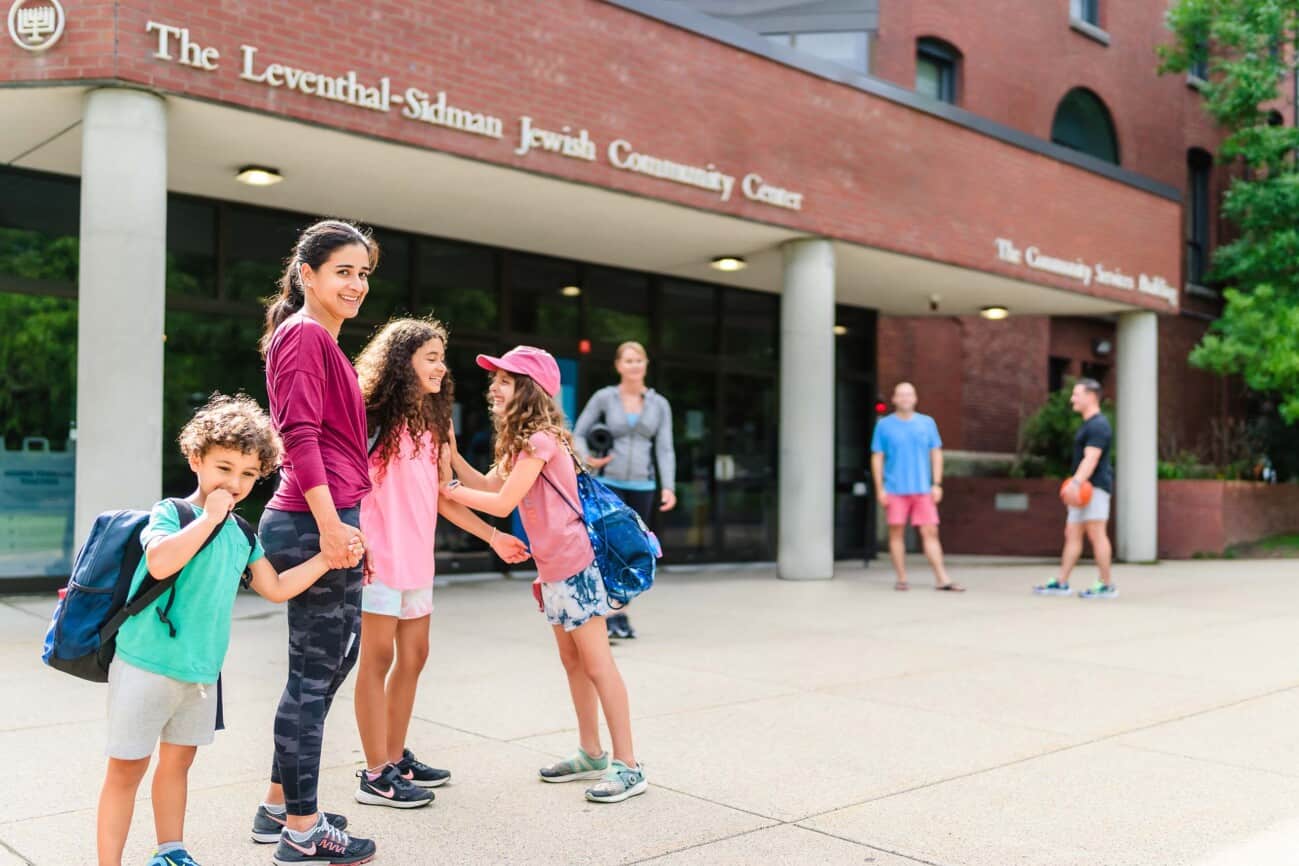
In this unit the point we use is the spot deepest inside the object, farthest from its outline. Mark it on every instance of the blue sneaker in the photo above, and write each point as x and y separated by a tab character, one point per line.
621	782
1055	587
1100	590
179	857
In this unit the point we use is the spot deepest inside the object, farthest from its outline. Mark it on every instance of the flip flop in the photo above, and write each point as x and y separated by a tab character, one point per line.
950	587
901	586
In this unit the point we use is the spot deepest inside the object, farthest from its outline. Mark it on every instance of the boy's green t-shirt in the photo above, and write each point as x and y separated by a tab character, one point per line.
205	598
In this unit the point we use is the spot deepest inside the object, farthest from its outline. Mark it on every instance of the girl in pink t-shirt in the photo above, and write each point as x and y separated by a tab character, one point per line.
534	472
408	397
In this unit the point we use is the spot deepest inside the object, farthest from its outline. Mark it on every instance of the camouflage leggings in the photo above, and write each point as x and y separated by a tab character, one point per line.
324	641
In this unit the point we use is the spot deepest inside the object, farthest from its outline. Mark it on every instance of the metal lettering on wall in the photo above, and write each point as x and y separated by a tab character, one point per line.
1087	274
176	45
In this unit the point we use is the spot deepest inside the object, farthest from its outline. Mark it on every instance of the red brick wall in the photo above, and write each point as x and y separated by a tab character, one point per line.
978	379
1190	399
872	171
1021	57
1204	517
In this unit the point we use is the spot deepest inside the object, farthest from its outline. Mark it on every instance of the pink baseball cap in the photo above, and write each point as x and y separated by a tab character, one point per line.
538	364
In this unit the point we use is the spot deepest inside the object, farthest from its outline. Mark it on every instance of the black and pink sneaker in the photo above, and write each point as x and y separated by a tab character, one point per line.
416	772
325	843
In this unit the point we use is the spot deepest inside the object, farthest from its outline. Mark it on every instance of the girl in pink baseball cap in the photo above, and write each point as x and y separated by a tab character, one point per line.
534	471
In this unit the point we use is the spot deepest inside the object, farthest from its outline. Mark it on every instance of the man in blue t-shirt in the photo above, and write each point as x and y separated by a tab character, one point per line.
907	465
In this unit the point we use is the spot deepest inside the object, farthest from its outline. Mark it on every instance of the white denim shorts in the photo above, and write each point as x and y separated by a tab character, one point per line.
144	707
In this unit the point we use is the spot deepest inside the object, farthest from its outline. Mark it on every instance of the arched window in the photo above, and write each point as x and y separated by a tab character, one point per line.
1082	122
937	67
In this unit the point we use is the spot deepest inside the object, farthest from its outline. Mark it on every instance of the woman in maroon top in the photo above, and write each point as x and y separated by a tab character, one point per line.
317	407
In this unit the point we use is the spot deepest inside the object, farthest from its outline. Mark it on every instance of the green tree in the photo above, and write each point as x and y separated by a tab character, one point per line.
1250	47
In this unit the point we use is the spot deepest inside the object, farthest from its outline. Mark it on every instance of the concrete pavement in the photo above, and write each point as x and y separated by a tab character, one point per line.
823	723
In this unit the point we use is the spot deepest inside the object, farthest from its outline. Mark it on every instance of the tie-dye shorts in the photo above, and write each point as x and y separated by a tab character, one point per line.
570	603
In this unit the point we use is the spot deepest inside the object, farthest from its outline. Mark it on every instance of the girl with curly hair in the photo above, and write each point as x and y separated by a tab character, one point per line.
535	471
408	396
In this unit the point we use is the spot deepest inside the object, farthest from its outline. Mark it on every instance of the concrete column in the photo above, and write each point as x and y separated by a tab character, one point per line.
806	539
121	298
1136	472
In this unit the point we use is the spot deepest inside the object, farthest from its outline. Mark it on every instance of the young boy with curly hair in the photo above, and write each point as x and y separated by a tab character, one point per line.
162	682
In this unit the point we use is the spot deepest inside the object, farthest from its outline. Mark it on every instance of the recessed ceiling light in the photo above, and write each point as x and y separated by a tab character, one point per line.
840	330
994	312
259	175
570	291
729	263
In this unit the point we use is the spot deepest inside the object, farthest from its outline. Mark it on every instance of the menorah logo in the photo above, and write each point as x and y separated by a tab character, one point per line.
36	24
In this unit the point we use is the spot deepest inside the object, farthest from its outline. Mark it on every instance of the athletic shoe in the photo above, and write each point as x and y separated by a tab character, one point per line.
415	771
267	825
1055	587
326	844
179	857
390	789
1100	590
580	766
620	626
620	783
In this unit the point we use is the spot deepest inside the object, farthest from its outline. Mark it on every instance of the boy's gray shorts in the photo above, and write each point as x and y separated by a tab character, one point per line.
144	707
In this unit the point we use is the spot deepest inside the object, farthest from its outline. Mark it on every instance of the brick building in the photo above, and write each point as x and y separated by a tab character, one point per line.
792	204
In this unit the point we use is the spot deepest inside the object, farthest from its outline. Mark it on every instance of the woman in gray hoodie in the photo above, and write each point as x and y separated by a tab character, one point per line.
640	420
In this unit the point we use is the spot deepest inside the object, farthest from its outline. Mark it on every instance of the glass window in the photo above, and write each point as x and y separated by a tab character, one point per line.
258	243
936	69
191	247
544	296
688	531
1199	167
1086	10
1082	123
203	353
39	218
751	325
854	342
617	305
688	316
39	226
389	293
457	284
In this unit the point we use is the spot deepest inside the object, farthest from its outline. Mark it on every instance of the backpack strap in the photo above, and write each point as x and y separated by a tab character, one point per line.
246	579
563	496
152	589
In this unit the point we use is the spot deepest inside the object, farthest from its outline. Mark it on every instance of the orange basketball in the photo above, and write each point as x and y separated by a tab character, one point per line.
1079	497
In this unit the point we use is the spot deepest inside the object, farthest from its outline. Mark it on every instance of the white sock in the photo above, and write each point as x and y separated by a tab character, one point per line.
304	835
274	808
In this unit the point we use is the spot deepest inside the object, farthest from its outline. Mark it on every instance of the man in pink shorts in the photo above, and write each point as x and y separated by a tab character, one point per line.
907	465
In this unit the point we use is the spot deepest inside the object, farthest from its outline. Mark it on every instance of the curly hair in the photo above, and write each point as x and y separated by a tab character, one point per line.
531	411
393	395
237	423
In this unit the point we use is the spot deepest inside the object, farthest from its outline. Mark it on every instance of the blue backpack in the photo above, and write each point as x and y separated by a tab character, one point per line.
81	639
626	551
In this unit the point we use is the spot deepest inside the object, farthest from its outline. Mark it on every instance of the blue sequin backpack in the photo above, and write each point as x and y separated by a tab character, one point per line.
626	551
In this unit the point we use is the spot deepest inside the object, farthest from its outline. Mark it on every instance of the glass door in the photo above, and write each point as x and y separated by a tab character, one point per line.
745	468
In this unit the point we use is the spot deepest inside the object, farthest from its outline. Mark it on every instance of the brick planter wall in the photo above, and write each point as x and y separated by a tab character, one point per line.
1203	517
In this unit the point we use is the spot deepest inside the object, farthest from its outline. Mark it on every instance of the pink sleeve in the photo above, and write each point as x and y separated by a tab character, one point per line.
296	378
543	445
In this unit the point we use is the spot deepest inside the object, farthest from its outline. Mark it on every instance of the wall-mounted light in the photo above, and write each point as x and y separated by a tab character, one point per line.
729	263
570	291
840	330
259	175
994	312
1102	346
